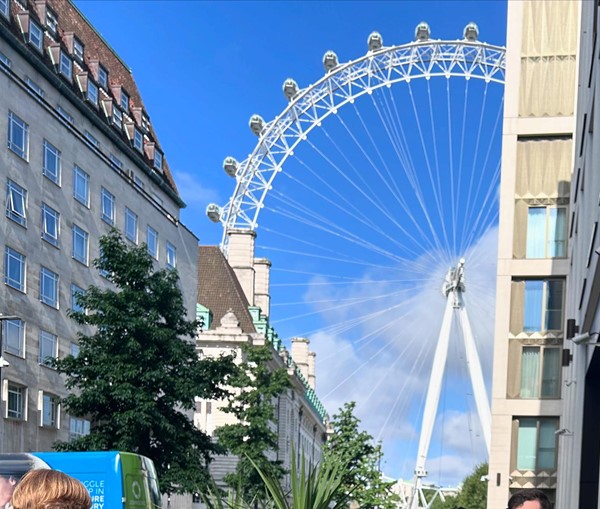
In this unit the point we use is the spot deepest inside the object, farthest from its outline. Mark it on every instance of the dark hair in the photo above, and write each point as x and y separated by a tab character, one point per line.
520	497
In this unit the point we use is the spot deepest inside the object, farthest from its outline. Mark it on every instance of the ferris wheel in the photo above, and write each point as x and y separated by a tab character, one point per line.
387	173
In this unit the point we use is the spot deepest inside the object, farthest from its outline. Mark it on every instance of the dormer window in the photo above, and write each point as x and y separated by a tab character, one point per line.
138	139
36	35
4	8
78	49
145	123
103	77
66	66
117	117
92	93
51	20
158	160
124	101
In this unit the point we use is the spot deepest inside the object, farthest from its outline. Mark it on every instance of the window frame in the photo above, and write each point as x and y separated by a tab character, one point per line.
171	255
48	235
49	287
80	233
82	177
16	194
541	370
75	289
19	413
138	135
20	148
519	446
51	20
7	336
92	140
158	160
5	8
35	37
130	215
102	76
152	249
52	175
117	117
124	101
65	65
78	422
78	49
544	312
549	237
54	413
47	340
21	259
92	97
107	198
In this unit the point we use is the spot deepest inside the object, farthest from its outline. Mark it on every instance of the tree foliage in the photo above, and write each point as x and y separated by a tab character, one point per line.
350	446
137	372
473	493
252	437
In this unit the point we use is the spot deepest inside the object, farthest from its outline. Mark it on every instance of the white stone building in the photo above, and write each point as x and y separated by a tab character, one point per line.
78	157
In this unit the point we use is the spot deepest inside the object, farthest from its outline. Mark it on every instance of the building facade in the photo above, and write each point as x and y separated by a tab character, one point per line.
231	322
533	250
79	156
579	442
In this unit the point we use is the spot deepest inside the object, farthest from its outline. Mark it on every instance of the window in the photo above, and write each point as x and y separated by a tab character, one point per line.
75	292
50	410
138	139
78	49
157	198
18	136
108	207
81	186
171	255
78	428
51	20
547	232
543	305
158	160
152	242
74	350
124	101
50	224
91	138
16	203
3	58
36	35
51	165
66	65
115	161
536	443
138	181
14	269
65	114
131	225
13	336
49	287
540	372
102	77
4	8
35	87
117	118
80	244
48	347
17	399
92	93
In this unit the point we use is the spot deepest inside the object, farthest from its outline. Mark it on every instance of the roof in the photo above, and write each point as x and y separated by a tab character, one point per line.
219	289
72	24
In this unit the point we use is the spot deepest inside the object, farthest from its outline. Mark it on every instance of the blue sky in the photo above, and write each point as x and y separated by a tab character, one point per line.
204	68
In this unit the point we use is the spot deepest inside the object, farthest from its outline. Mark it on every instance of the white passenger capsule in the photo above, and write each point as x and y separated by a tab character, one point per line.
422	32
290	89
256	124
330	61
230	165
471	32
375	41
213	211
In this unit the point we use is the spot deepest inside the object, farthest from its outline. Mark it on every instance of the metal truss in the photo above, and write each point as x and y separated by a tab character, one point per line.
342	84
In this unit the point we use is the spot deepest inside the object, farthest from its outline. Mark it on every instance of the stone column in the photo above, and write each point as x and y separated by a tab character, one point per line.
240	255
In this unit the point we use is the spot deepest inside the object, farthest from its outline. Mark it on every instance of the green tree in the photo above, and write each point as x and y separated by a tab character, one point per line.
350	446
137	372
473	493
256	385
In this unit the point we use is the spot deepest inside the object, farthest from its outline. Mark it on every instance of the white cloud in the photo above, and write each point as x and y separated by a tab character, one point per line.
194	191
378	352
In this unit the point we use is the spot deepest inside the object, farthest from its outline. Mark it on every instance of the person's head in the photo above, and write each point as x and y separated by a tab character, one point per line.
7	486
529	499
50	489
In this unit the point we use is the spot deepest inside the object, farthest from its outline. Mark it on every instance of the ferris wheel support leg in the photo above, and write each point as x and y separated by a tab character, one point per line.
433	397
479	390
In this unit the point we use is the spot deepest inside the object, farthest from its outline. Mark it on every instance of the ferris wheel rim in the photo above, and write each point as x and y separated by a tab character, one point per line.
489	61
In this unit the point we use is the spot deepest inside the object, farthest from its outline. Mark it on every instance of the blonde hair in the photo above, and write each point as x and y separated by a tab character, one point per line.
50	489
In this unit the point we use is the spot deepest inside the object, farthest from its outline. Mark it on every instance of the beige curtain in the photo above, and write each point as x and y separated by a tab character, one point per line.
541	165
513	385
520	231
517	306
547	86
549	28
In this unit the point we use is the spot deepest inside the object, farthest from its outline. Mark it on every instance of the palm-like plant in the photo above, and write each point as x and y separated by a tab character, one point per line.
312	488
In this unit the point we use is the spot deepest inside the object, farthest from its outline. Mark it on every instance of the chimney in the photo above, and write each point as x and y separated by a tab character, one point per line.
240	255
312	378
300	355
262	278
